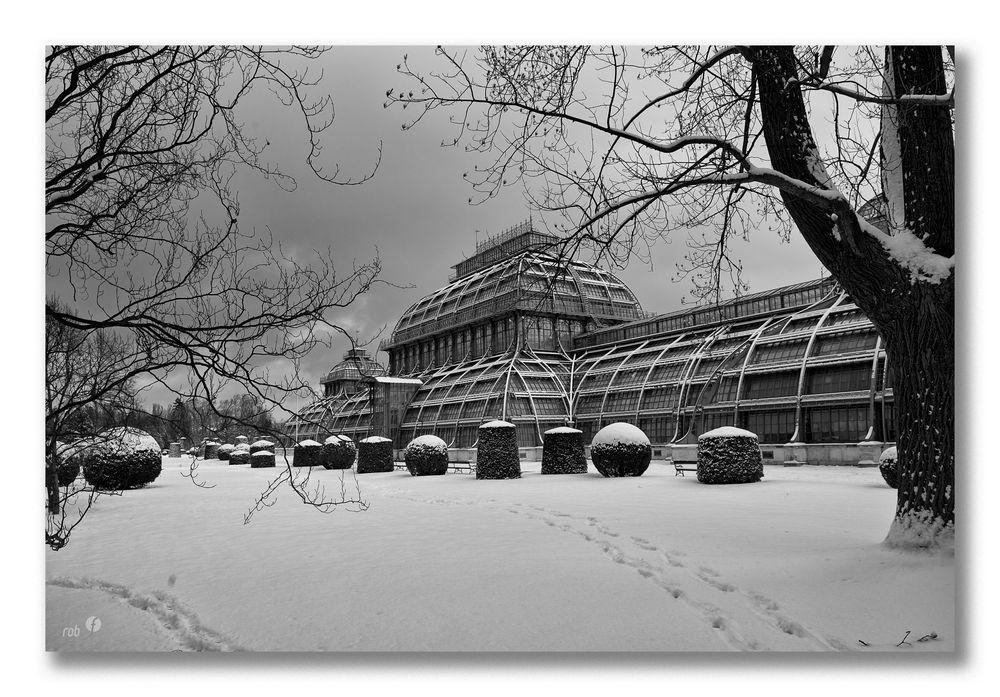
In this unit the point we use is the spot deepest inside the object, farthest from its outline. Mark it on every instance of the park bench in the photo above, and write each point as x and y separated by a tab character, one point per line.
462	467
681	467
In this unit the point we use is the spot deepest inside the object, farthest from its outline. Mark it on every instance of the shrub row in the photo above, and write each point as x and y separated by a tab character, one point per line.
497	456
888	466
562	451
375	455
122	458
338	453
426	455
729	456
621	450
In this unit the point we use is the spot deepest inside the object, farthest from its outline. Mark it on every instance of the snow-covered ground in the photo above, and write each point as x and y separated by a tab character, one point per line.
555	562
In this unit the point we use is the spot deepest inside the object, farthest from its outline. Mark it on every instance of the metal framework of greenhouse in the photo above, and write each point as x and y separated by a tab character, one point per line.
542	342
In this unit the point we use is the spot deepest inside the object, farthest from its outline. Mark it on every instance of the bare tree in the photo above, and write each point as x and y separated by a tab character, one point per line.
853	148
143	149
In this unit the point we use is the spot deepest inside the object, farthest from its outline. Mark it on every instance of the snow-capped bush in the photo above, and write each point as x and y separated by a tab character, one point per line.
496	457
224	450
242	440
259	445
122	458
69	459
621	450
562	451
888	465
240	455
211	450
262	458
338	453
375	455
426	455
306	453
729	455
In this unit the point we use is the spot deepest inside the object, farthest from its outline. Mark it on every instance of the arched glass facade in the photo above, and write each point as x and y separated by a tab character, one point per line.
815	374
540	342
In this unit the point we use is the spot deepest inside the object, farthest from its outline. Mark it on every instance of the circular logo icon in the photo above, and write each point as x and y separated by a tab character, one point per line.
93	624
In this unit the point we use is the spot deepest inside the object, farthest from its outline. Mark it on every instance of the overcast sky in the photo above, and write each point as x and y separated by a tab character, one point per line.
415	211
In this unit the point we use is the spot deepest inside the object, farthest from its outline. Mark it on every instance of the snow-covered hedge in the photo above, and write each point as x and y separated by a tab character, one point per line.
240	455
562	451
888	465
242	440
306	453
122	458
375	455
224	450
496	457
621	450
260	445
262	458
338	453
729	455
211	450
425	455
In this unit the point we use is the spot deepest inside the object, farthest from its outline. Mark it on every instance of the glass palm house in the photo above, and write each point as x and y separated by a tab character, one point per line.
523	335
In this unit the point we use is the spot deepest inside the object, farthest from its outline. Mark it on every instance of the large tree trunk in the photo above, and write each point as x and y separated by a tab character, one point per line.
914	315
920	345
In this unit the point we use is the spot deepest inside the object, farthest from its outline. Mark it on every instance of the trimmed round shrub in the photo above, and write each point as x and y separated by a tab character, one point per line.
375	455
426	455
259	445
211	450
888	466
338	453
621	450
122	458
69	459
224	450
306	453
562	451
729	455
262	458
239	456
496	457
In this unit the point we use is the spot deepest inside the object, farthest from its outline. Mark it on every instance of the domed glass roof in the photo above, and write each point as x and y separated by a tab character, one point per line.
357	364
532	281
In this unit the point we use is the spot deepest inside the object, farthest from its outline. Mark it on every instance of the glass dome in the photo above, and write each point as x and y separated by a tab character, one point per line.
348	375
531	281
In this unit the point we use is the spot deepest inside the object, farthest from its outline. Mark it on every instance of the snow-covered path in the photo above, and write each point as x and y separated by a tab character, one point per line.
570	562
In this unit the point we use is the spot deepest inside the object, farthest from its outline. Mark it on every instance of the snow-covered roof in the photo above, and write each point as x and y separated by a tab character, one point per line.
620	432
399	381
727	432
563	429
497	424
376	439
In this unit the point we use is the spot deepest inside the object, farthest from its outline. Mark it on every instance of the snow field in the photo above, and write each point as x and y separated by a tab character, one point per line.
576	562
